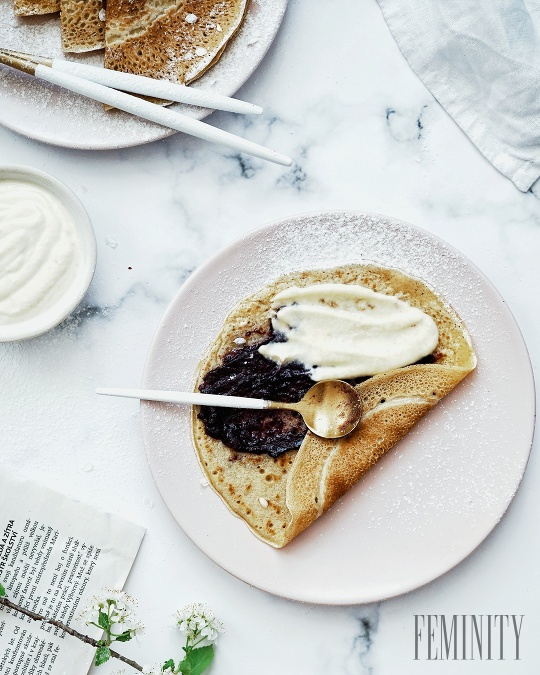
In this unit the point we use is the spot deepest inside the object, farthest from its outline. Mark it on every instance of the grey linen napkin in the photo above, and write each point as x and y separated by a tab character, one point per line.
481	60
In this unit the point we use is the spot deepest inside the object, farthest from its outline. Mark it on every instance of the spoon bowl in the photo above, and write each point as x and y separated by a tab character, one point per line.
330	409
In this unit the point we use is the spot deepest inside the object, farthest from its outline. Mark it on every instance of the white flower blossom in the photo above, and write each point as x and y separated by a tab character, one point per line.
119	607
199	623
134	627
122	601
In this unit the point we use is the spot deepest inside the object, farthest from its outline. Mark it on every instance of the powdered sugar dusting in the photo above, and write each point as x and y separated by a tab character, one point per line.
432	498
451	460
42	111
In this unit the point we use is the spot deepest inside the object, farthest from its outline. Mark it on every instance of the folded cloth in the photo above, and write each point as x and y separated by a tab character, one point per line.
481	60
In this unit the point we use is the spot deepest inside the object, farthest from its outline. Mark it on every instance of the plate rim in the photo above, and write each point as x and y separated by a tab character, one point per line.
363	598
164	132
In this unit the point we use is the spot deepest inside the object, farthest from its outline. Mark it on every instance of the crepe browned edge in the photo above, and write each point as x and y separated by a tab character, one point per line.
82	28
153	39
299	486
34	7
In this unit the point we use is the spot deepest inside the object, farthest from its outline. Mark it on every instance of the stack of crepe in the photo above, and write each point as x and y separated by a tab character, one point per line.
176	40
82	21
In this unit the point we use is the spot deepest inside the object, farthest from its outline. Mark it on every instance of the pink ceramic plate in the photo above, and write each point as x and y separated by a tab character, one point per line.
431	500
52	115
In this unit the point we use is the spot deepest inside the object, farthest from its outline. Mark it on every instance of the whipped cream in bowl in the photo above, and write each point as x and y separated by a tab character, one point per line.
47	252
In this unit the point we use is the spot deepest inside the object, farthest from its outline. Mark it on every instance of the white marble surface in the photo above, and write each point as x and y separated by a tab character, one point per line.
367	135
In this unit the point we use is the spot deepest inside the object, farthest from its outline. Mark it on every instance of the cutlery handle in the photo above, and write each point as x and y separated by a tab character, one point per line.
190	397
158	114
138	84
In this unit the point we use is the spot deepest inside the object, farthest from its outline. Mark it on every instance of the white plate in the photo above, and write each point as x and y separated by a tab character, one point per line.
431	500
39	110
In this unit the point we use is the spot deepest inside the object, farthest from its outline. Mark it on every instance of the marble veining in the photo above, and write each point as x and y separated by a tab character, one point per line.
367	624
296	178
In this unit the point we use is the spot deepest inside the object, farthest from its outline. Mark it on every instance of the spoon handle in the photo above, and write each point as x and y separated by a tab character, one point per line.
189	397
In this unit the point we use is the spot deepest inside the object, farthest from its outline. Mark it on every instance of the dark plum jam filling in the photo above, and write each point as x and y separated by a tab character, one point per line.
244	372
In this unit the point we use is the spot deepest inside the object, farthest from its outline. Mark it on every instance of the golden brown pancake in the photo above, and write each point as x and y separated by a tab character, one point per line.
32	7
279	498
83	25
167	39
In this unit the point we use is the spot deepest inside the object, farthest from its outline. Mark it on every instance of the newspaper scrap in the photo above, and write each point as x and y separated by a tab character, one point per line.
55	554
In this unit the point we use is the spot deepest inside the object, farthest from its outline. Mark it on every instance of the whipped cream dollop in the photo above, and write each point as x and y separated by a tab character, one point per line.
343	331
40	250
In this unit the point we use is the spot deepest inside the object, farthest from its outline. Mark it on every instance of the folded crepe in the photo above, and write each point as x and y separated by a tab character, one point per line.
32	7
176	40
278	498
83	25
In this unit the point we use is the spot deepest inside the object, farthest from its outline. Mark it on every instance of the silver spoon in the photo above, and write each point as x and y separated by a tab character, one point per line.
330	409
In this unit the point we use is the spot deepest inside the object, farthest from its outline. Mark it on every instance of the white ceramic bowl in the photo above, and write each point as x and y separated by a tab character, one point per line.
55	314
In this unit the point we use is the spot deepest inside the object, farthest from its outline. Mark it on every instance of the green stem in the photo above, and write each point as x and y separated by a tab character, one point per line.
109	605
